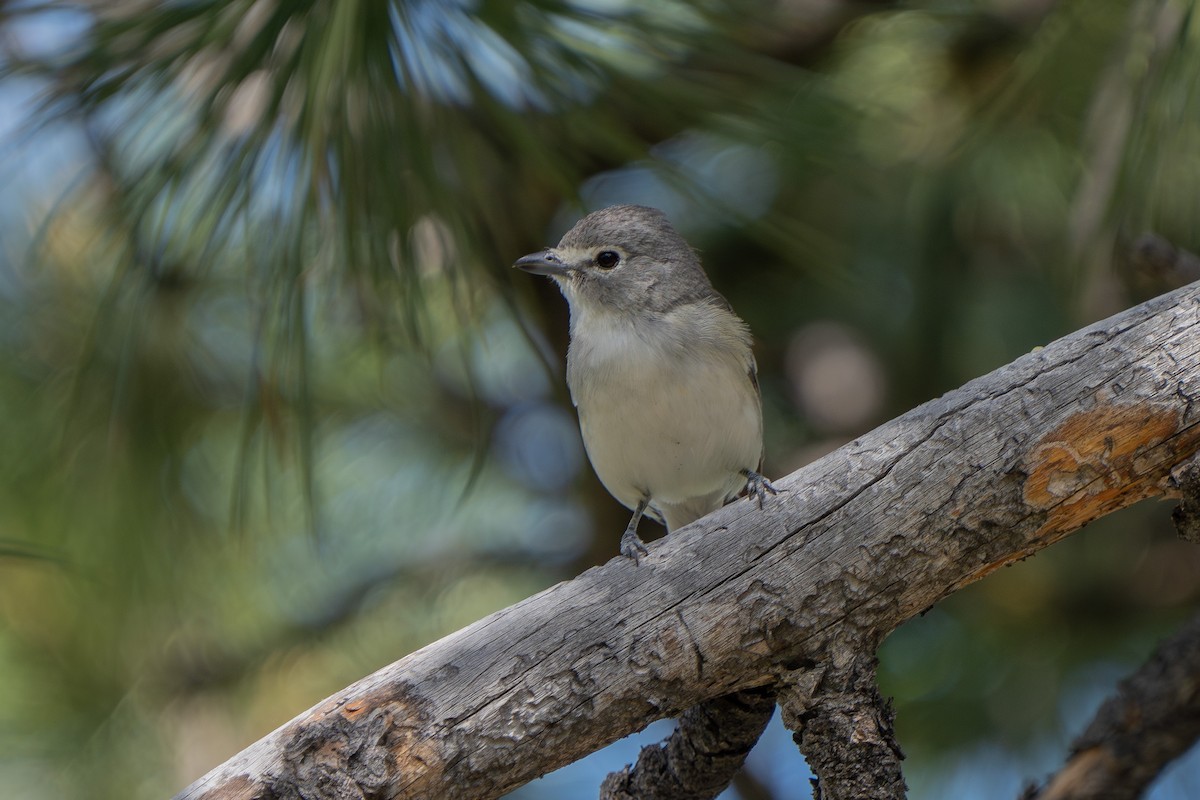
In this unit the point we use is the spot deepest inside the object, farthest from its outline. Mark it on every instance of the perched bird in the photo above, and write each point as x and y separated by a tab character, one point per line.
659	367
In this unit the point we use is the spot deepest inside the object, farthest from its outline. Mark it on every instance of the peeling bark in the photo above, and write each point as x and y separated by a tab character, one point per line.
858	542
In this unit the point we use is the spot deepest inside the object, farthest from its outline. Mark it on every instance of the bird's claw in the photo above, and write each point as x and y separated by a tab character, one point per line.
632	546
758	486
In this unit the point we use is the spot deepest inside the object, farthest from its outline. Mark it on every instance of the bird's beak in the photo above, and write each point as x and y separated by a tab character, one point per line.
543	263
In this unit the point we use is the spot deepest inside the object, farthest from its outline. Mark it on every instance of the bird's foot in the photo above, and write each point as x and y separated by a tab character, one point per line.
758	486
632	546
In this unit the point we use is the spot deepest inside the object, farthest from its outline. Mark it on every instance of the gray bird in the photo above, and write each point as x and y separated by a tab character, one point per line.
659	367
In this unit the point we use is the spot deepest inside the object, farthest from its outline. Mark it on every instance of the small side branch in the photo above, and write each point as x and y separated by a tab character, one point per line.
844	729
1153	719
701	757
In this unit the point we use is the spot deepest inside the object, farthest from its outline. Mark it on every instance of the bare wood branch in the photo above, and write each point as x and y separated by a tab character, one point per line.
859	542
1153	719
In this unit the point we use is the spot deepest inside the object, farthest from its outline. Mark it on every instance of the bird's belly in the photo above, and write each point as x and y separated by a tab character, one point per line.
675	435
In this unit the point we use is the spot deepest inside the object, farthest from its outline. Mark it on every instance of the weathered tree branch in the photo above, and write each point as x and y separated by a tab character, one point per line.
700	758
859	542
1153	719
844	728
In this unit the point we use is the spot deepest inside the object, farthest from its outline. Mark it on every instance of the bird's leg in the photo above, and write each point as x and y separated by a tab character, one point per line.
758	486
631	545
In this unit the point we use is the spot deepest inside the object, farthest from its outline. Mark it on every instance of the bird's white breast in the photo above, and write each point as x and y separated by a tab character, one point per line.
666	411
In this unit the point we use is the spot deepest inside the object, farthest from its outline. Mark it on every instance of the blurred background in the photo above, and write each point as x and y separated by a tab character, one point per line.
276	411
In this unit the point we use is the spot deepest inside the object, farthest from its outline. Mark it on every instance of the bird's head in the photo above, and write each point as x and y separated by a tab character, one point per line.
624	259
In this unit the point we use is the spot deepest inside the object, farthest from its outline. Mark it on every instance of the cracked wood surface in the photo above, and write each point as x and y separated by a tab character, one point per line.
860	541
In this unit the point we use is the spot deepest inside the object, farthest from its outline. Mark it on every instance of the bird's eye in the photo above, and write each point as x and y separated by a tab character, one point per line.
607	259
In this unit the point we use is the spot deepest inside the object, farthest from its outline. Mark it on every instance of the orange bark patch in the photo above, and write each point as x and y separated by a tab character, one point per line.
354	709
1100	460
